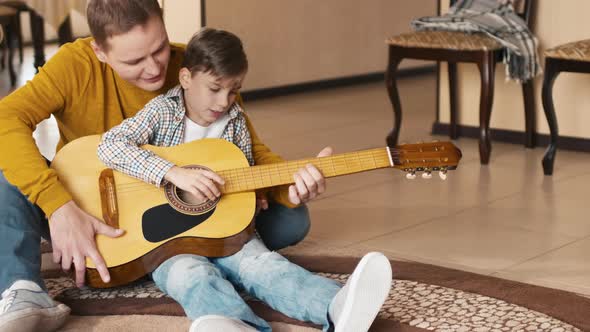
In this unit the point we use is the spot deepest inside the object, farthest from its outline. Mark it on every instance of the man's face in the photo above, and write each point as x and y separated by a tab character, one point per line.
208	97
139	56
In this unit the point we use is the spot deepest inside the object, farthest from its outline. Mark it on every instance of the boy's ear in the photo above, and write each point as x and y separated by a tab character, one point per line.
184	76
98	51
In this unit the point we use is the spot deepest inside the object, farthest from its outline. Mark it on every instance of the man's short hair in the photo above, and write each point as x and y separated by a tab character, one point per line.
216	51
107	18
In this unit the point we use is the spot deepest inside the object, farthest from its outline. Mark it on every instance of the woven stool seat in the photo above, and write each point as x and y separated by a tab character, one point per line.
459	41
578	50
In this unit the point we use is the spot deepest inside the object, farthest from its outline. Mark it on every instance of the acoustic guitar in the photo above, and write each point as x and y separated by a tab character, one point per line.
162	222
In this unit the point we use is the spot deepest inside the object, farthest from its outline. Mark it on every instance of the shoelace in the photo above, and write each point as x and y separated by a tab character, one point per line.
7	301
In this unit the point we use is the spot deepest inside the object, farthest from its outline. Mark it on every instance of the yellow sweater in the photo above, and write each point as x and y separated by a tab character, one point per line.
86	97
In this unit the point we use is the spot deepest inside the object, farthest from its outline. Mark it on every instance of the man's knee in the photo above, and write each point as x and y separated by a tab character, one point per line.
280	226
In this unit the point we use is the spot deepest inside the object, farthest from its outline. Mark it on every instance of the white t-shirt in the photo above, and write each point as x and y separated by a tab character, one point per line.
194	131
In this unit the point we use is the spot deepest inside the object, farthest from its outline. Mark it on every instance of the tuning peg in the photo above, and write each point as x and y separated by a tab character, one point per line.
411	175
427	175
443	174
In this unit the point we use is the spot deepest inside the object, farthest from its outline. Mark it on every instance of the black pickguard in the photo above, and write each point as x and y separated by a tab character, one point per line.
163	222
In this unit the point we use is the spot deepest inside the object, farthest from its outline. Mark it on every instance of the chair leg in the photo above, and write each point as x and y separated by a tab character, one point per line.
19	37
391	83
452	69
551	72
38	37
10	36
528	94
487	68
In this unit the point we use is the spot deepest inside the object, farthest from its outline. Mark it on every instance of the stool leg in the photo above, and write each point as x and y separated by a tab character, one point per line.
528	94
487	68
551	72
391	83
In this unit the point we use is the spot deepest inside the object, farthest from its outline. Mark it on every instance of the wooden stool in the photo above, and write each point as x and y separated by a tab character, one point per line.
574	58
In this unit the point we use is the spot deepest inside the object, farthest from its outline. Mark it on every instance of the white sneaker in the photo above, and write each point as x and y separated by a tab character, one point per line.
356	305
214	323
26	307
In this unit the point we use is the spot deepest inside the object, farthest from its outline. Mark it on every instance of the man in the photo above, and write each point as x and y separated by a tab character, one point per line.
90	86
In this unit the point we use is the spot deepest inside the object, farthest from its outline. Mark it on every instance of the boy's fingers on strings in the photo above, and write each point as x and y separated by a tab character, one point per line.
301	188
208	187
293	195
318	178
205	191
213	176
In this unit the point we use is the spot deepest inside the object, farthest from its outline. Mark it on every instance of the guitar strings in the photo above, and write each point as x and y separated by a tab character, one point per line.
284	169
241	180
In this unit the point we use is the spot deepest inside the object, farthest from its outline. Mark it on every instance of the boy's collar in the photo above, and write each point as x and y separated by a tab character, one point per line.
176	94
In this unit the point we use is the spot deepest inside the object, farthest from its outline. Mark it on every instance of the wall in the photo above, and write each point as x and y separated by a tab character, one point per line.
290	42
556	23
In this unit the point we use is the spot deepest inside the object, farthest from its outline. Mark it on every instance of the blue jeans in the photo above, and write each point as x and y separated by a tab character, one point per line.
22	224
205	286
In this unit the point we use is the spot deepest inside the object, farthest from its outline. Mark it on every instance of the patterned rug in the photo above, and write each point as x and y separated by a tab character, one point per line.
423	297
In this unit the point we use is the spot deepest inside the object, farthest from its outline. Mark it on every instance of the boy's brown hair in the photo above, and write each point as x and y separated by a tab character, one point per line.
107	18
216	51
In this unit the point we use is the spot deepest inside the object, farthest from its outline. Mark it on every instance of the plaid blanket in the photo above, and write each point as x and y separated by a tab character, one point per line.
497	19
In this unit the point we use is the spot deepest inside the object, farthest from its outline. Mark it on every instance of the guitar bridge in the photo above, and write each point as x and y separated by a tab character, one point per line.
108	198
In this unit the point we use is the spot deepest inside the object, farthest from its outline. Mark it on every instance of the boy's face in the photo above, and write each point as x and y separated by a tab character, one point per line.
139	56
206	96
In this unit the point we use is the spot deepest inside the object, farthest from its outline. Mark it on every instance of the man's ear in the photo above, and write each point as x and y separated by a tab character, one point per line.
98	51
184	76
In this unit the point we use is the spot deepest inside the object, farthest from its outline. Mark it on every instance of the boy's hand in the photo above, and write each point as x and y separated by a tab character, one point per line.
201	184
72	237
309	182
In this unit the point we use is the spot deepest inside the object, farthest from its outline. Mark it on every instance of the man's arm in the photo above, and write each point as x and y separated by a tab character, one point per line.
63	78
20	113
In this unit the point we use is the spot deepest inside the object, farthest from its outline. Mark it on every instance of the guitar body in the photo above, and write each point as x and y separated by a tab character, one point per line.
155	228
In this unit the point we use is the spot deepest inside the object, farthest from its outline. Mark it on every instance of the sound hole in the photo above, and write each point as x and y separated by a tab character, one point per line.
188	198
184	202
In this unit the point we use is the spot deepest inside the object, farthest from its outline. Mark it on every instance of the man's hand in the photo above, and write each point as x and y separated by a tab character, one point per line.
201	184
72	237
309	182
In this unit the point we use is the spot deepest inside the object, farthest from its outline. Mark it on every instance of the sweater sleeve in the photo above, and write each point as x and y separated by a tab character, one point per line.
20	112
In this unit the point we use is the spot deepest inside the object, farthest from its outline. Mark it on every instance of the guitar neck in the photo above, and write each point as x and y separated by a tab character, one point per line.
271	175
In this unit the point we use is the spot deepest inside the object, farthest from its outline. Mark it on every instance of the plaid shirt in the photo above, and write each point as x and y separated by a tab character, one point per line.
161	123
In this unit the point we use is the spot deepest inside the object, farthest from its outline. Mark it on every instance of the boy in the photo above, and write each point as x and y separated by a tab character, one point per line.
204	106
89	86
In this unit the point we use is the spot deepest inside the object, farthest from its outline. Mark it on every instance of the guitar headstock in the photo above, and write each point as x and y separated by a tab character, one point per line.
426	158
